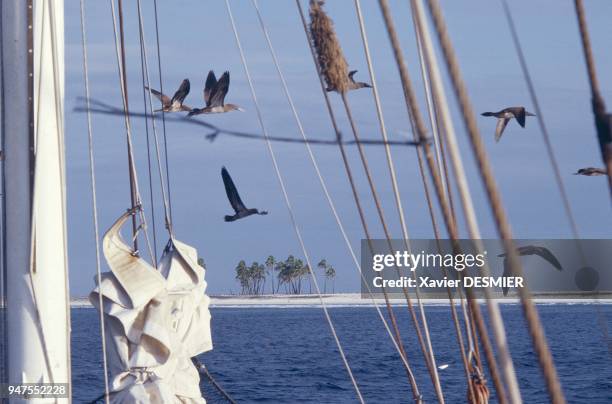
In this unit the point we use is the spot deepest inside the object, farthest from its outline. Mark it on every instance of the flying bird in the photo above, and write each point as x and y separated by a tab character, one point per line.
353	85
505	115
174	104
235	201
214	96
591	171
543	252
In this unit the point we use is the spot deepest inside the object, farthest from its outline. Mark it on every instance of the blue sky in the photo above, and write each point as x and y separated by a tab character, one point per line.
196	36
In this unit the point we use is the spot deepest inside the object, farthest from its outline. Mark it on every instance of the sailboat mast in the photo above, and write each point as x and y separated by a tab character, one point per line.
35	262
18	178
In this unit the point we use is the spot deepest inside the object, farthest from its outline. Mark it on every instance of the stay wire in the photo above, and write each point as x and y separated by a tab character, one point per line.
530	312
354	191
128	128
161	90
143	45
428	352
92	175
149	174
322	181
450	140
288	203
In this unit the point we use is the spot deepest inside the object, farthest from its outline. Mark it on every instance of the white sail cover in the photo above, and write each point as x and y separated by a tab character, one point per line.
156	321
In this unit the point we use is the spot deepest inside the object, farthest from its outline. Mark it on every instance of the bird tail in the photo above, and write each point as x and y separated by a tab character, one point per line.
228	218
487	114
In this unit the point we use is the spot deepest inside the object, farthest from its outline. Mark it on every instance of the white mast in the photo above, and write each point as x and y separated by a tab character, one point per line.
35	202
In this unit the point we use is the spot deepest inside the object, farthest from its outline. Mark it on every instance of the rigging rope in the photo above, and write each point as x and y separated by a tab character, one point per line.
438	139
161	90
548	143
602	119
466	200
288	203
204	370
541	122
92	175
133	196
137	207
149	176
351	180
534	325
143	45
428	353
454	316
379	209
411	105
322	181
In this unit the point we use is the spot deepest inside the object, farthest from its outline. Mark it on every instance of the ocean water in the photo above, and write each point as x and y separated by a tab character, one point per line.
287	355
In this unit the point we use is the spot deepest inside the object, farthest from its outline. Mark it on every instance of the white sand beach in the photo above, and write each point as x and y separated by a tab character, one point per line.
350	300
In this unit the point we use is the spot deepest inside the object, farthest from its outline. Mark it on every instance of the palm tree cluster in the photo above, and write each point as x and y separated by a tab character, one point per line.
290	274
252	278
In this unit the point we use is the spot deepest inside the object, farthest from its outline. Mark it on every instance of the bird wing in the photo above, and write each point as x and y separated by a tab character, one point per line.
211	82
182	92
501	125
548	256
520	115
231	191
162	97
220	90
505	274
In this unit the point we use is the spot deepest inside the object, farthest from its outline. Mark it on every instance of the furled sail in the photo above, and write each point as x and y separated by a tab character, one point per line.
156	321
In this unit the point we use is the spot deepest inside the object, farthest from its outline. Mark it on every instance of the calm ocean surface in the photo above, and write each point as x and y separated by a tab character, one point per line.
287	355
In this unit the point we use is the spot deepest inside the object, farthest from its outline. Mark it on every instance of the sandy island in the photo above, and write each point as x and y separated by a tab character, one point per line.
355	299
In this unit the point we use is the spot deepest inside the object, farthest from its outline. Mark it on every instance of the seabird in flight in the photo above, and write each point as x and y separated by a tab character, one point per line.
235	201
591	171
530	250
505	115
174	104
214	96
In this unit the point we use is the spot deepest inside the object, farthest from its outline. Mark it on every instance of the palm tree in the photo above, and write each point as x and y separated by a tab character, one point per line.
285	273
259	276
270	264
322	265
279	268
307	274
297	274
242	275
330	273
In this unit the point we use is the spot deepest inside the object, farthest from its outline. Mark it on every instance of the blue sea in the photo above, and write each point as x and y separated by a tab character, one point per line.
287	355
